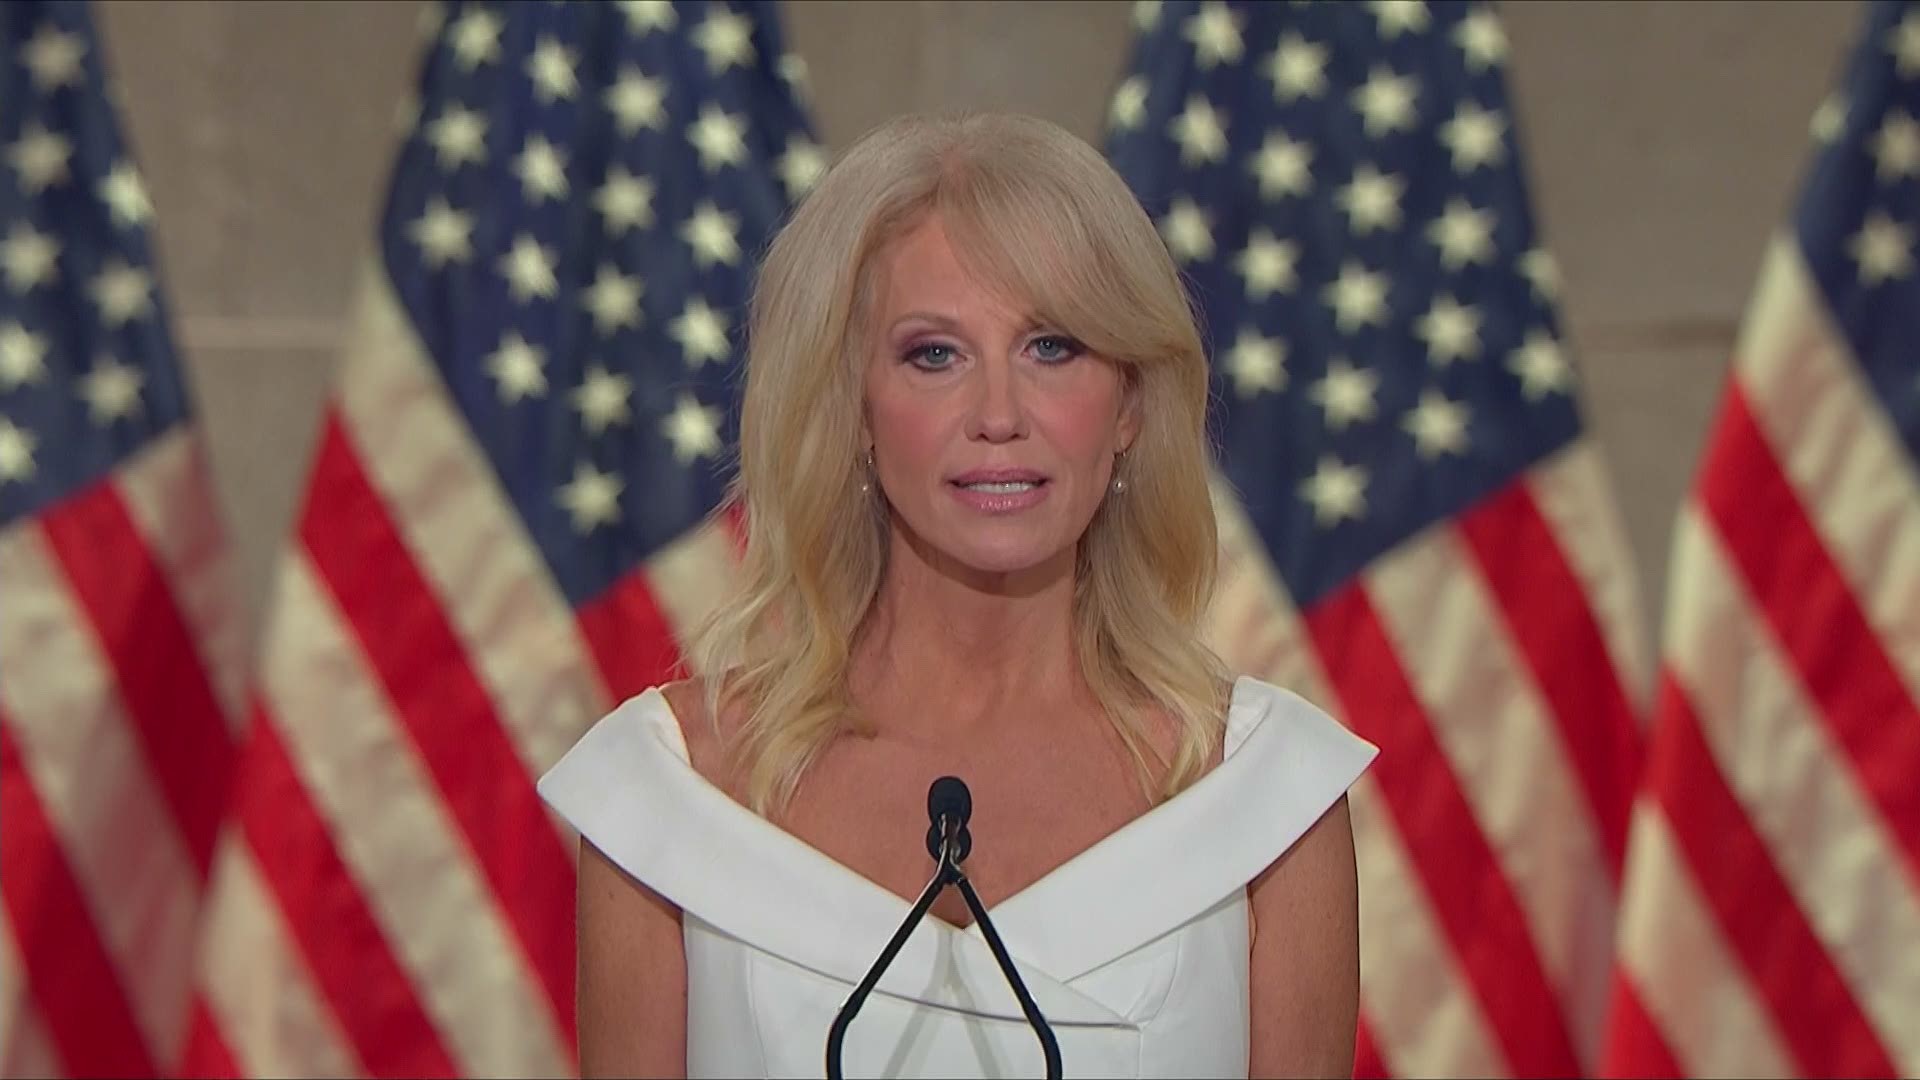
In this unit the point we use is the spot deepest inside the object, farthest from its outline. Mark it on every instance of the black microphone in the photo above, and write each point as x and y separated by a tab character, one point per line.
949	805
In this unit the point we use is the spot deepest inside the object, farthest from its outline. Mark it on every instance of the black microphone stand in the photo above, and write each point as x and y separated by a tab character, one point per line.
954	844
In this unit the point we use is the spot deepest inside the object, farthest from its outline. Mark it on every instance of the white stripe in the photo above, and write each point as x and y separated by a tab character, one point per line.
169	494
1252	624
688	577
1836	444
1682	970
1423	1015
444	499
1576	498
25	1047
103	806
257	986
1503	744
1797	787
391	828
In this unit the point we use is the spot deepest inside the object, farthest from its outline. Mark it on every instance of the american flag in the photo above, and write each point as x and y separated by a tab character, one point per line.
1421	536
506	524
119	639
1771	916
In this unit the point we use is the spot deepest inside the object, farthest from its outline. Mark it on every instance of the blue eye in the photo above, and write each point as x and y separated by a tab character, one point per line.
932	356
1055	348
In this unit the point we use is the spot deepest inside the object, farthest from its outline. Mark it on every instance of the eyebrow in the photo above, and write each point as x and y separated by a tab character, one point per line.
1028	323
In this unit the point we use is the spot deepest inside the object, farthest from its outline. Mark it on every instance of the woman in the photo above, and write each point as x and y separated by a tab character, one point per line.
979	542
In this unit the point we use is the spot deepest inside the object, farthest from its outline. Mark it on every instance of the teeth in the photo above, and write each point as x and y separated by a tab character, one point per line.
1007	488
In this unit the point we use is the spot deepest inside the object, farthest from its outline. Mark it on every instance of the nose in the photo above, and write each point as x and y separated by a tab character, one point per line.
998	413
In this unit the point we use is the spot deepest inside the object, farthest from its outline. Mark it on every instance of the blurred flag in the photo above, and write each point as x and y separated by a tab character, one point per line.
1421	536
502	531
1771	915
119	637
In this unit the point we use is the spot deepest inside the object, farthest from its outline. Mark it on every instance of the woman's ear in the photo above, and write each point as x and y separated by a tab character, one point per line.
1129	412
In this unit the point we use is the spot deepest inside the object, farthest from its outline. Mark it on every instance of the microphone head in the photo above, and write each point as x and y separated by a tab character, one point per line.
949	797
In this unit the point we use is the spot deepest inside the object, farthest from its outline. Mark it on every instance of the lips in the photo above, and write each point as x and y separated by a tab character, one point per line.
998	477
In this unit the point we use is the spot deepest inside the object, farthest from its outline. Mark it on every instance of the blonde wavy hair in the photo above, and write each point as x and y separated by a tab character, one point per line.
1039	214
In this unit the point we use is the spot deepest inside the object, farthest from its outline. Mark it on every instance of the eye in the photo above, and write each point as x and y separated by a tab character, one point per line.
1055	348
931	356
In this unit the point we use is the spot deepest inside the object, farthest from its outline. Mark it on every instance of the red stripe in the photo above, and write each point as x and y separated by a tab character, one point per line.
1635	1047
1817	620
207	1053
1550	622
1811	1004
445	710
1465	887
74	982
630	638
352	964
163	682
1368	1064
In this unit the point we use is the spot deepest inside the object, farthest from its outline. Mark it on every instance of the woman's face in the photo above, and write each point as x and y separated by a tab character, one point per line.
993	434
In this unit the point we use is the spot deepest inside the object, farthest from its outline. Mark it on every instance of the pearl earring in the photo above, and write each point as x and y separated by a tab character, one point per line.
1119	482
866	480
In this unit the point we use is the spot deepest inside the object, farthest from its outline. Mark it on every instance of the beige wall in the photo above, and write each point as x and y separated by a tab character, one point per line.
1664	140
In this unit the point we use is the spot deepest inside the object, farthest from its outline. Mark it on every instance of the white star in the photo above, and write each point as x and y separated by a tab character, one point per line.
693	429
701	332
792	70
1438	426
1284	166
602	399
1345	394
720	137
23	356
519	367
1482	39
1896	147
16	452
28	257
529	269
1215	33
801	166
1541	366
1385	102
613	298
1830	119
711	234
125	196
1298	68
625	200
444	234
122	293
1372	200
542	170
1474	136
475	38
53	58
1146	14
645	16
458	136
726	38
1451	330
1129	107
1257	363
1396	17
1463	235
111	390
1188	231
1884	249
1538	267
1199	131
1337	491
1358	298
40	157
1267	265
1905	45
551	68
636	102
591	497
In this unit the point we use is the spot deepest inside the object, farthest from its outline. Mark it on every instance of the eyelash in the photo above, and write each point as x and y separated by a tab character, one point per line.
916	354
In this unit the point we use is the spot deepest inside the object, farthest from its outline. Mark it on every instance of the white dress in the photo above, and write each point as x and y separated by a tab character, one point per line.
1135	950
